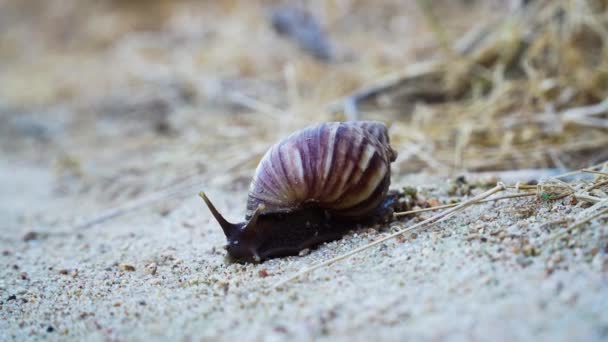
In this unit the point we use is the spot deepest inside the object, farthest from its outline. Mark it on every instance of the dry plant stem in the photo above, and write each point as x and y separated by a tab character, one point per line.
596	166
133	205
442	38
587	198
581	115
176	190
405	213
499	187
523	187
417	150
580	222
595	172
255	105
593	186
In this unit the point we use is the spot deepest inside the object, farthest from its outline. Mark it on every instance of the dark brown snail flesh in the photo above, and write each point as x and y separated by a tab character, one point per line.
313	187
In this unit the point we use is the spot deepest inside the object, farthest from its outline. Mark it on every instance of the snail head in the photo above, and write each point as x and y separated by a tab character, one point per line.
242	238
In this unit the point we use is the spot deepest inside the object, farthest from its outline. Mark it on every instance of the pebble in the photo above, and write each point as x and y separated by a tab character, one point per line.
433	202
530	250
150	268
523	261
557	257
127	267
304	252
29	236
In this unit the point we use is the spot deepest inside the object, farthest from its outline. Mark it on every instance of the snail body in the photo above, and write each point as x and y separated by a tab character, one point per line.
312	187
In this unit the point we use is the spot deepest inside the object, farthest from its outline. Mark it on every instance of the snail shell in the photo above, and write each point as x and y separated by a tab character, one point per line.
341	167
311	187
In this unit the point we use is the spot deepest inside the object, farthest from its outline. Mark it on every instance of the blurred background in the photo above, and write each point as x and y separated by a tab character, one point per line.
112	100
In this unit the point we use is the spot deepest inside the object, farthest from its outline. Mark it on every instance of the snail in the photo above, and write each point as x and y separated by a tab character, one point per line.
312	187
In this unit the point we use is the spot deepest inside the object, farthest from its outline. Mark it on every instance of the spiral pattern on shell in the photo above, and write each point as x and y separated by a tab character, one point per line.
343	168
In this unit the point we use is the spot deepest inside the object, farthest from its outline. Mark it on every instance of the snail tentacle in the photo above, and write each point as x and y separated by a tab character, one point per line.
228	228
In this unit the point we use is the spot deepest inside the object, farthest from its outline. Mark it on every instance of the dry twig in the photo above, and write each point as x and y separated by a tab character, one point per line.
405	213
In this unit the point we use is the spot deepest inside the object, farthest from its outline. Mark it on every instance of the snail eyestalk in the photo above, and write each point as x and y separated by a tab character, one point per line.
228	228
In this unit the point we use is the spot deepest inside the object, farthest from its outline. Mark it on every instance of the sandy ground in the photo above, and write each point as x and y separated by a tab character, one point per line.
121	110
158	274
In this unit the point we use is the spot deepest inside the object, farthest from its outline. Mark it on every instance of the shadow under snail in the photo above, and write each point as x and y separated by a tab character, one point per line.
313	187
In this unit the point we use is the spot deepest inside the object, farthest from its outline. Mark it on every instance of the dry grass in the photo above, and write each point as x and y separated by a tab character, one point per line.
527	91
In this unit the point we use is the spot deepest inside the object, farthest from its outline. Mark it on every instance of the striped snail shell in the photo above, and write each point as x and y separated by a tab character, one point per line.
341	167
311	187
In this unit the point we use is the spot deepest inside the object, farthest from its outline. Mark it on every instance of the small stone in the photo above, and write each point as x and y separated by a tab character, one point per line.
433	202
150	268
486	218
410	191
530	250
63	271
223	286
29	236
164	211
487	280
280	329
127	267
11	297
24	276
304	252
50	329
6	253
263	273
523	261
557	257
